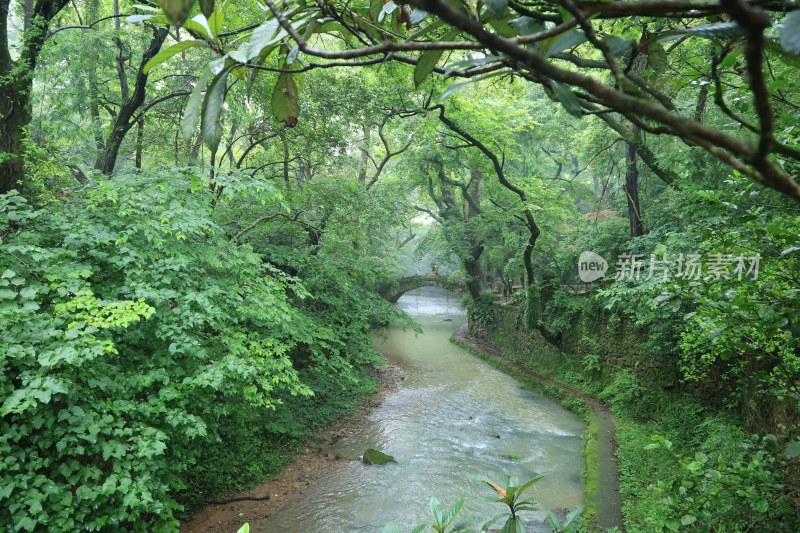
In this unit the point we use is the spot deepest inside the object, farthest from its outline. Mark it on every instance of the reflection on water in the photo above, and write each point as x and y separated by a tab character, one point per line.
455	419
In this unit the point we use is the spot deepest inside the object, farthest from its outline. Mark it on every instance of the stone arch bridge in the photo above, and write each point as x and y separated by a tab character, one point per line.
394	291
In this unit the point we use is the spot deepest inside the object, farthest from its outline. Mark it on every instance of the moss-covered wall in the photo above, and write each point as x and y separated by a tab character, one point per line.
597	345
600	344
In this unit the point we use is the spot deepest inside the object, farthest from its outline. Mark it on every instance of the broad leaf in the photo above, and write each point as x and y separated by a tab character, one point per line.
200	25
618	45
392	527
261	38
177	11
169	52
718	30
211	123
790	34
284	101
425	65
455	510
207	7
526	25
567	98
530	483
436	511
428	59
193	106
137	19
566	41
469	63
217	18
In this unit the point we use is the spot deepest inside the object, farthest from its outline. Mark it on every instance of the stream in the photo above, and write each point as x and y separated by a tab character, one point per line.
454	420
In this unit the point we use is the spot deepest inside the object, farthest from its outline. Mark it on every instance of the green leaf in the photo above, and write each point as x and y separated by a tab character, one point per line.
425	65
211	123
731	58
618	45
245	528
566	41
526	25
491	521
284	103
138	19
529	484
575	513
790	34
375	8
207	7
177	11
261	38
193	106
436	510
200	25
393	527
455	510
169	52
217	18
712	31
553	520
567	98
427	61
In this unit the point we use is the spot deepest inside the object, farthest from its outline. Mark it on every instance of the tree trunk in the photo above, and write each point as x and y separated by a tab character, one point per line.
15	113
16	84
632	186
139	142
125	118
472	265
472	197
366	129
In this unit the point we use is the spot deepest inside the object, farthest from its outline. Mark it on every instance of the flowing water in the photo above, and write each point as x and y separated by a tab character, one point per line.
454	420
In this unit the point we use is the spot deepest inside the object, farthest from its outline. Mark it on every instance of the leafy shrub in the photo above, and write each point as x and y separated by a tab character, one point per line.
740	493
133	327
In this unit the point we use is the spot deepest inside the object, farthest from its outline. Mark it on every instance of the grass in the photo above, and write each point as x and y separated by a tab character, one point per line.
591	472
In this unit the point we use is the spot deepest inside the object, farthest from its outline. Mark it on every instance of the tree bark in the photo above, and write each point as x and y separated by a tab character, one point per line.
632	186
139	143
125	119
16	84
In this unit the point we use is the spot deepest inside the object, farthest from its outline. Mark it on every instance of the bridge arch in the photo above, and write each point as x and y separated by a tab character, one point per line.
394	291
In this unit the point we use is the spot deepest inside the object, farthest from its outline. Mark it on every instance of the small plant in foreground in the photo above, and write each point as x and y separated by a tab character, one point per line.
441	521
510	495
572	522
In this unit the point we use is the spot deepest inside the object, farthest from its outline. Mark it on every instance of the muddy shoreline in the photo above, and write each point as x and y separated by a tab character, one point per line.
313	460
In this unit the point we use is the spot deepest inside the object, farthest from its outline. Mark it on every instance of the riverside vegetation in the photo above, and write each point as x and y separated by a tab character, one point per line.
202	202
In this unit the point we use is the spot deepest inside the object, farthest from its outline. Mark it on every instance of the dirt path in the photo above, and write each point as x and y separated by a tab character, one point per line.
311	463
609	506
